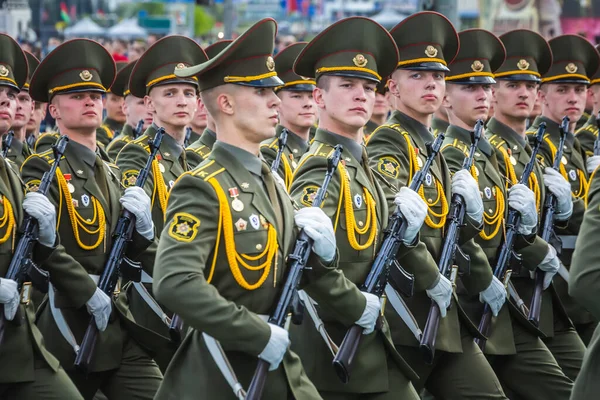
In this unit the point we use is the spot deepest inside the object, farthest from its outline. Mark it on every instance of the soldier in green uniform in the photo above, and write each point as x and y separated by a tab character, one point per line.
588	133
115	117
440	122
89	200
19	149
347	69
381	109
297	113
199	149
583	286
28	369
563	91
397	150
134	110
230	225
520	359
33	125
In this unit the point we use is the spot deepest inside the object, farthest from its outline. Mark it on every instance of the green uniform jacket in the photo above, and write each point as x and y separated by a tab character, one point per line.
587	135
82	195
439	125
294	150
23	344
369	128
375	350
18	152
193	137
507	144
44	143
199	150
388	154
169	164
107	131
119	141
576	174
195	278
583	120
489	242
584	286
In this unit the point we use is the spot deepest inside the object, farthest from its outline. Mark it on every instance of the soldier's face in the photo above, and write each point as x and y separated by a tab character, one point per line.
173	106
114	107
297	109
37	115
347	102
200	118
382	105
562	99
24	109
468	103
419	93
8	107
77	111
255	111
135	109
515	99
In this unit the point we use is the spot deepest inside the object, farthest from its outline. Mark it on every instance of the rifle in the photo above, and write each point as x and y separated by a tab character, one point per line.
281	142
506	254
296	265
188	134
118	263
382	266
449	261
30	140
21	266
547	230
597	141
7	142
137	132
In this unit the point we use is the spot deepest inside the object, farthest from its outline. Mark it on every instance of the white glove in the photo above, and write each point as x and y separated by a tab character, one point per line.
39	207
561	188
99	306
370	314
319	228
9	296
414	211
441	293
592	163
466	186
494	296
137	202
522	199
276	347
550	265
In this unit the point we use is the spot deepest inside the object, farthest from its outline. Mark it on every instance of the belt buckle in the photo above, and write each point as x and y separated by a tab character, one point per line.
26	293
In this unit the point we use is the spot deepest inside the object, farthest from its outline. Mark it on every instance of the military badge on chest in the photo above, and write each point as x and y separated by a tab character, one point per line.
572	175
236	203
358	200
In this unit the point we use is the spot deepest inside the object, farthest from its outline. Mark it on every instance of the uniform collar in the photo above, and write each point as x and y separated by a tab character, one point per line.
77	151
439	125
171	146
465	136
127	130
552	129
250	161
414	126
209	137
112	124
332	139
16	146
506	132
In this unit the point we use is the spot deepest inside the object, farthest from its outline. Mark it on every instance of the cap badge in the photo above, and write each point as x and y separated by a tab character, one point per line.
477	66
85	75
180	66
571	68
360	61
270	64
431	51
3	70
523	64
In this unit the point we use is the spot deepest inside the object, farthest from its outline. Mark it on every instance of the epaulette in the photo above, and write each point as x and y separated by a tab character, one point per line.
496	141
397	127
207	169
142	141
55	135
588	128
272	145
108	131
458	145
200	150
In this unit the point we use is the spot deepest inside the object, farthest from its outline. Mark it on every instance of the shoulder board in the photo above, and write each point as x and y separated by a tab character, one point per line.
588	128
322	150
108	131
496	141
396	127
459	145
142	141
207	170
272	144
202	150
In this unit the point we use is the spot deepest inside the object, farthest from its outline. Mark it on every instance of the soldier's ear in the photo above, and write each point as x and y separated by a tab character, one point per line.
446	102
149	104
226	103
54	112
318	96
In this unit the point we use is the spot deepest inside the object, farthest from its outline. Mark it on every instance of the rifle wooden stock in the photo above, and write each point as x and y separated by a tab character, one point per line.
18	267
110	275
296	264
506	252
447	259
547	230
378	275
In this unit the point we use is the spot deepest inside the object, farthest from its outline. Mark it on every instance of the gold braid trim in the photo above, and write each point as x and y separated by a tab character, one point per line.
233	257
160	189
77	221
7	221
